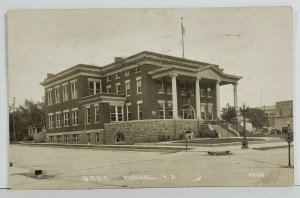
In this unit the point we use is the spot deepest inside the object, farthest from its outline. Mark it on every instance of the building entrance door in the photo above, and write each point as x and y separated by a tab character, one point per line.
187	112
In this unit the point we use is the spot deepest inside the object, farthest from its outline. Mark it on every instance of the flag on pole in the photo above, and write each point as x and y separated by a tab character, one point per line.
182	33
182	28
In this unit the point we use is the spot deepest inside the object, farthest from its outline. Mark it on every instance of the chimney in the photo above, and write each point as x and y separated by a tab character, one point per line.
118	59
49	75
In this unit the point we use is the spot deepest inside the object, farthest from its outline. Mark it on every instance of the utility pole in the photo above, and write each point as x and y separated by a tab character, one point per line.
14	121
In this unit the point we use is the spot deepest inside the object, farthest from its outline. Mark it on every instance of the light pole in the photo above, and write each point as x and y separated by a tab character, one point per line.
244	142
289	138
14	120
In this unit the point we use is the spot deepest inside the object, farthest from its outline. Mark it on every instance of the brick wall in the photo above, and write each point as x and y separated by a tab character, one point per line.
282	122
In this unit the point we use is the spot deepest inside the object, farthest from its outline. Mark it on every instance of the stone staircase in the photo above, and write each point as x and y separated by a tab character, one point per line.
217	130
224	132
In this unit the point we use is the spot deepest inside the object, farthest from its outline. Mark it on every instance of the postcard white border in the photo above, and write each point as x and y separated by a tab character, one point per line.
6	5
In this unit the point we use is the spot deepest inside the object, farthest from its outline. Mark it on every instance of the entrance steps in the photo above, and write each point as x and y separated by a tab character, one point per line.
225	132
218	130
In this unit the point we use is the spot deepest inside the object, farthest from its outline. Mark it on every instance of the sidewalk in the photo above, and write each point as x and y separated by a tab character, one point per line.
170	147
254	146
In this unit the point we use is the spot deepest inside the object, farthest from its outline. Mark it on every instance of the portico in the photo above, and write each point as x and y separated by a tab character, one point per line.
206	90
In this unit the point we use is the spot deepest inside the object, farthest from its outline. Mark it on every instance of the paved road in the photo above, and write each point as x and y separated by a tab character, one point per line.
92	168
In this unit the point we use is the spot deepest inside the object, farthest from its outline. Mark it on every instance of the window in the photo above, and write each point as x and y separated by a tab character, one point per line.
191	92
97	137
97	115
127	88
88	115
137	69
116	113
51	121
118	88
94	87
59	139
88	137
140	111
187	112
51	138
117	75
75	117
128	110
169	90
65	93
67	138
74	94
120	138
182	90
160	86
209	92
280	112
75	137
202	92
170	110
127	72
203	112
49	93
66	119
58	120
161	110
120	113
56	95
108	78
139	86
112	113
108	88
210	112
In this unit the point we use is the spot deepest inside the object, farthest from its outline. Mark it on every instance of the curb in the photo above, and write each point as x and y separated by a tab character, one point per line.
129	147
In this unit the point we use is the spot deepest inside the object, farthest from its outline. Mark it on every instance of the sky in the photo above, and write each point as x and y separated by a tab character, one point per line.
255	43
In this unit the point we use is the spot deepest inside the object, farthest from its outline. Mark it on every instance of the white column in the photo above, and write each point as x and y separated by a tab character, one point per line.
235	94
116	109
198	102
174	96
218	99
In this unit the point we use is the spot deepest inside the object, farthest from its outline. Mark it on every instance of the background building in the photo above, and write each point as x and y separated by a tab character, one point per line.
284	115
279	115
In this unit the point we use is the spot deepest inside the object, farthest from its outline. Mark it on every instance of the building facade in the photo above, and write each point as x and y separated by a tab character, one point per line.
270	111
284	116
279	115
135	99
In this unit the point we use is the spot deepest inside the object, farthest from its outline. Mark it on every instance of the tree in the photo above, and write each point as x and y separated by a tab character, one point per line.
257	117
229	114
28	114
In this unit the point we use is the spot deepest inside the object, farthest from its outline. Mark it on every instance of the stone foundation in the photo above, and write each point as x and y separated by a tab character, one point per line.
133	132
82	137
150	130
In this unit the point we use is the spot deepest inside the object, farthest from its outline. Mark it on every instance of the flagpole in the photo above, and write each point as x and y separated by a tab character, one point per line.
182	37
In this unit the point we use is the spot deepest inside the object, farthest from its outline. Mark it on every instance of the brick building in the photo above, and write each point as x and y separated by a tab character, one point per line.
279	115
140	98
270	111
284	115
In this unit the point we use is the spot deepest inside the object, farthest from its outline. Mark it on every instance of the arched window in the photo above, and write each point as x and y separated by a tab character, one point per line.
188	112
119	138
189	134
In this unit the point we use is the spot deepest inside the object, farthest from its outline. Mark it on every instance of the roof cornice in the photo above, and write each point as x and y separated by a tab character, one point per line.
73	70
141	58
